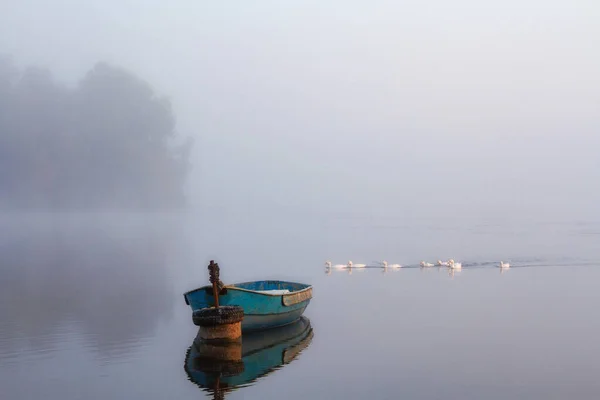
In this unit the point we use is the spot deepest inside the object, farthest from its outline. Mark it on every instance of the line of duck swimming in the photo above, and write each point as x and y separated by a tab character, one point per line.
450	264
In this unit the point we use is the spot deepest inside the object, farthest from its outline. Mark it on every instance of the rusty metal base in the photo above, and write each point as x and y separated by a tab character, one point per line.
221	333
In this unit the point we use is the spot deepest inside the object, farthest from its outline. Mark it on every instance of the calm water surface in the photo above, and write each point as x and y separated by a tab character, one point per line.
91	307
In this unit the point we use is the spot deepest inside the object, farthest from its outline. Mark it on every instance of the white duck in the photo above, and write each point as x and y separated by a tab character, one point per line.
337	266
504	265
454	265
426	264
443	263
385	265
351	265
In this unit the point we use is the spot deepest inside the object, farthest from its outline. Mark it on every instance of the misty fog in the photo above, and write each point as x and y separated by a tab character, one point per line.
140	139
104	144
385	108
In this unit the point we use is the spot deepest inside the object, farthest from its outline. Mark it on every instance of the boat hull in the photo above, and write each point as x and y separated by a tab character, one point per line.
264	305
254	322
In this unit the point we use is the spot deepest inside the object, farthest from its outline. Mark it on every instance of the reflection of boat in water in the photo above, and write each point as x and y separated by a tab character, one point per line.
223	368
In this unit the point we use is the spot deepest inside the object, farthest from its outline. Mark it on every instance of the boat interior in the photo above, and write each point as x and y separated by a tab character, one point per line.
271	287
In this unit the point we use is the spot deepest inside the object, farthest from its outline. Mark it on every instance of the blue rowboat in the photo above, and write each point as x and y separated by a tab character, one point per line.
266	304
261	353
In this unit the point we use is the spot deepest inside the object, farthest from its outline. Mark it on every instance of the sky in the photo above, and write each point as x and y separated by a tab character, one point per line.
431	108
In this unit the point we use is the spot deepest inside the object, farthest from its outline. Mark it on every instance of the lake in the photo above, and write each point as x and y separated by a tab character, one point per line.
92	307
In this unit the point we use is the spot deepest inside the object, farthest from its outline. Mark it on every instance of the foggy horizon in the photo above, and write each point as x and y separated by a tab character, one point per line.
414	109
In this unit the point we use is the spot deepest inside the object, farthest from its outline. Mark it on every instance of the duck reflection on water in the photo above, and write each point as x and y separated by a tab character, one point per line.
222	368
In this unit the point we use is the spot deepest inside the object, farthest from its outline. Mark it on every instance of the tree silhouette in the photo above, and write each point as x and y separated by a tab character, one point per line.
107	143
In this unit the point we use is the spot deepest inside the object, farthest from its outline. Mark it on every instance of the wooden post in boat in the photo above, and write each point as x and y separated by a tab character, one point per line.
213	271
218	323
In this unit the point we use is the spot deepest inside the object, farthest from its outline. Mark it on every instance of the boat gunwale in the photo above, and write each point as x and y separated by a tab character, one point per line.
233	287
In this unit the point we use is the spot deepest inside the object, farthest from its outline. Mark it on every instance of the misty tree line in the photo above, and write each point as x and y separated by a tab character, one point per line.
108	142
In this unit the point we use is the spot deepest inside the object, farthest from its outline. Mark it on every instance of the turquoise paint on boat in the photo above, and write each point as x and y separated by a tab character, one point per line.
262	353
263	303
